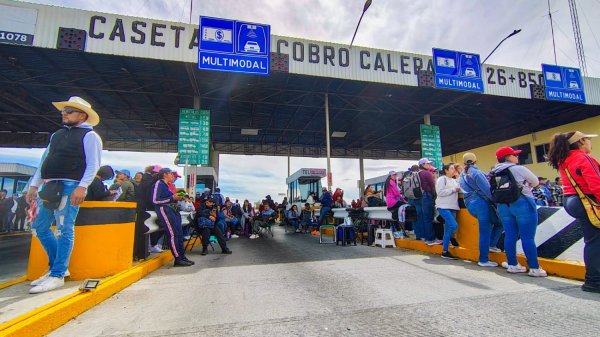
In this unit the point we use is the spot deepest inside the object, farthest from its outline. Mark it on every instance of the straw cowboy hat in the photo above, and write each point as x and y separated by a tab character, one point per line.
81	104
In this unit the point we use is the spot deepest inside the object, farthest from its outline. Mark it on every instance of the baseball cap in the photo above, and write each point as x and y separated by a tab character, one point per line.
392	173
207	189
176	174
577	136
506	151
469	157
424	161
124	171
156	168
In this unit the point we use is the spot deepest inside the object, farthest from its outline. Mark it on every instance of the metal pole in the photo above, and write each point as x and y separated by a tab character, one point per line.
328	141
427	119
361	184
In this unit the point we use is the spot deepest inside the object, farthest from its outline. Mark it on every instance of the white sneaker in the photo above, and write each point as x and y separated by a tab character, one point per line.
487	264
495	250
254	236
155	249
297	231
187	237
434	242
51	283
235	236
537	272
45	277
516	269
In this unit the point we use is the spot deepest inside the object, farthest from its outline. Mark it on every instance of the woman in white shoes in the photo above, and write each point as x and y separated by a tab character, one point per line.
519	213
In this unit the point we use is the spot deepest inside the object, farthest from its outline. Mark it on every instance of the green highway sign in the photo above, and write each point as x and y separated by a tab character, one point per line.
431	144
194	136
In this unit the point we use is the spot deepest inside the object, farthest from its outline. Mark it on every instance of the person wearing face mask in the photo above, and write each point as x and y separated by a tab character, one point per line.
570	154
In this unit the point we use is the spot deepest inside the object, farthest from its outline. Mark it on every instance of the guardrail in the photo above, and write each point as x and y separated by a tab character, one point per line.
373	213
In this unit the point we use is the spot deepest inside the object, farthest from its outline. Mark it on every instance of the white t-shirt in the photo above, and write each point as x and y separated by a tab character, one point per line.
447	196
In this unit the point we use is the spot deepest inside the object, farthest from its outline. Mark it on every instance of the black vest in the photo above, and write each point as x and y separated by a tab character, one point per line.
66	155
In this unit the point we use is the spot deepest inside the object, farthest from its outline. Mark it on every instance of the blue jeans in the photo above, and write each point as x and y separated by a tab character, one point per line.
59	244
295	223
450	226
322	214
591	238
424	224
520	218
482	210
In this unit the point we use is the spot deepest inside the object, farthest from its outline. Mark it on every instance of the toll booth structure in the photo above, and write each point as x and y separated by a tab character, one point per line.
14	178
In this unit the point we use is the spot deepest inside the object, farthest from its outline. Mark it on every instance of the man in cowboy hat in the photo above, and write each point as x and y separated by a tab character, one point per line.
67	167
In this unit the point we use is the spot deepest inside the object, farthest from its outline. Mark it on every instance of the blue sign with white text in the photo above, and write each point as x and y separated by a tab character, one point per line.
234	46
563	84
457	70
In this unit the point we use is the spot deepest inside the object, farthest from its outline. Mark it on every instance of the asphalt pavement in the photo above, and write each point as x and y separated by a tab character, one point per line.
14	255
291	285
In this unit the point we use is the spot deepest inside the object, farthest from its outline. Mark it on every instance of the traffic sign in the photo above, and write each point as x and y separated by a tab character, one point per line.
431	145
194	136
457	70
563	83
234	46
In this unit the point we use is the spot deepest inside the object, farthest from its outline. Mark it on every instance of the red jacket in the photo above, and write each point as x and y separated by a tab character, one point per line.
589	180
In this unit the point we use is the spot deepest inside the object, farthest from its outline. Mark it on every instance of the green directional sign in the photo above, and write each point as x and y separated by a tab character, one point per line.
194	136
431	144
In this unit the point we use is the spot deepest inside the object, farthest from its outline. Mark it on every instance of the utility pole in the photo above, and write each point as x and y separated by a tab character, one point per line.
577	33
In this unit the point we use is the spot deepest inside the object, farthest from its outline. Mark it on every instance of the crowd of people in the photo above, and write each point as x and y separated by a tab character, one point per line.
503	201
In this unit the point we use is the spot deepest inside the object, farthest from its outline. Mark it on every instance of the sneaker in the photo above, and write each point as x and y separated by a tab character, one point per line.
235	236
190	261
495	250
226	251
182	263
590	289
155	249
537	272
447	255
487	264
297	231
50	283
254	236
516	269
505	265
186	238
315	232
204	251
454	242
45	277
434	242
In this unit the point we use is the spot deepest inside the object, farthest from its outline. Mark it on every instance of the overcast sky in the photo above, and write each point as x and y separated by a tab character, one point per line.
400	25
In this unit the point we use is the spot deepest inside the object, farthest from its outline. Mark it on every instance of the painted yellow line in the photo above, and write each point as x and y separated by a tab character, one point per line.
47	318
566	269
15	281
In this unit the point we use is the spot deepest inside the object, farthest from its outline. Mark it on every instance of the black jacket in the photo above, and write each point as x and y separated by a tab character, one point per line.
96	191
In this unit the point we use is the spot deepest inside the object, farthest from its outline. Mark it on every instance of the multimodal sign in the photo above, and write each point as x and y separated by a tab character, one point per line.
457	70
234	46
563	83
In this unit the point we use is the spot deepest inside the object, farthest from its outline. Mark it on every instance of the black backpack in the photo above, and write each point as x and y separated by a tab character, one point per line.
504	187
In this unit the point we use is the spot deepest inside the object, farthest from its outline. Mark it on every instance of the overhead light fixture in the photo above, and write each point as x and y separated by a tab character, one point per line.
338	134
250	132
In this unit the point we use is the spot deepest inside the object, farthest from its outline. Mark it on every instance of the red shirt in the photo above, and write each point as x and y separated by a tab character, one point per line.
588	181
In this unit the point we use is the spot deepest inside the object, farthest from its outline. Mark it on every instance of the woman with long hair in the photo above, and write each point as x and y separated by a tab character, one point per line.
393	198
447	189
570	154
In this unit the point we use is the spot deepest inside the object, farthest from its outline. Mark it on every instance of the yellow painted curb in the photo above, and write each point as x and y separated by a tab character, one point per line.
566	269
49	317
15	281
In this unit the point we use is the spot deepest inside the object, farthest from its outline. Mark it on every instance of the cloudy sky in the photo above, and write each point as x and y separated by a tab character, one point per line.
401	25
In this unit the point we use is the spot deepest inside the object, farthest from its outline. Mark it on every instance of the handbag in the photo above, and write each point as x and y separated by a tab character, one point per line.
592	208
52	193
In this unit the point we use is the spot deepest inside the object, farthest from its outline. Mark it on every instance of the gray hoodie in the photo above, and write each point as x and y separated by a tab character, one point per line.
525	178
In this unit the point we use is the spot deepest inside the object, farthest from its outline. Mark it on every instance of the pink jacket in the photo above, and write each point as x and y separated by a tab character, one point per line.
392	194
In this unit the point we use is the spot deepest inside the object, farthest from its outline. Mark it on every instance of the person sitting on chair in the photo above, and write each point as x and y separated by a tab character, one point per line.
265	220
293	217
205	225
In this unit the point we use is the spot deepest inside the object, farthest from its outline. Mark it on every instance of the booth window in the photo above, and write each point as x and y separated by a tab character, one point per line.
541	151
525	157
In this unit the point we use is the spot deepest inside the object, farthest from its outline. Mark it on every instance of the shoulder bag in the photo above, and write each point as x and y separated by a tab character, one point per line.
592	208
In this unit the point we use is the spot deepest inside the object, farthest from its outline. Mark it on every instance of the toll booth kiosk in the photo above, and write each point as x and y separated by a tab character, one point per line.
302	183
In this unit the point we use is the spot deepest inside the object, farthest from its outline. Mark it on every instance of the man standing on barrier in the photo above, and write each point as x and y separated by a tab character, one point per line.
67	167
206	216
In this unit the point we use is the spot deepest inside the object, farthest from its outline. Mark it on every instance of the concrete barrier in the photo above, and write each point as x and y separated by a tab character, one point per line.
103	245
